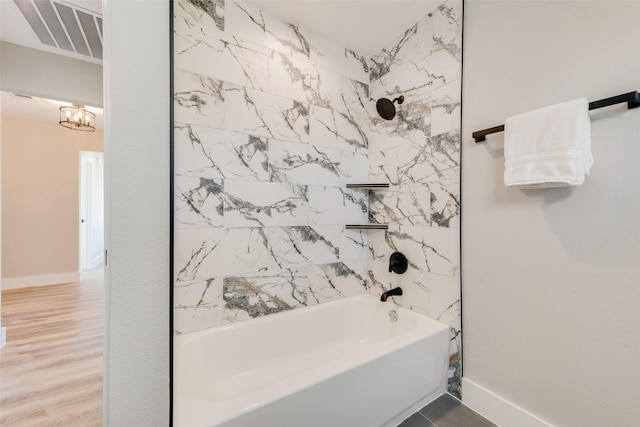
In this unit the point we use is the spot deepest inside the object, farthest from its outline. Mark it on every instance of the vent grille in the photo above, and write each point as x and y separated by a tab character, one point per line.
63	26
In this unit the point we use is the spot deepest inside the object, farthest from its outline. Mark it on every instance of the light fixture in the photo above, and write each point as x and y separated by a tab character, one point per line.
76	117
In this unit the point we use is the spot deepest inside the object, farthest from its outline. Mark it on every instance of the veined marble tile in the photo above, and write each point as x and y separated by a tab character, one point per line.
304	245
198	202
266	29
197	305
444	65
344	131
215	153
330	55
445	205
222	60
412	116
354	100
433	159
264	114
255	295
291	78
404	205
430	250
298	163
440	67
198	17
204	253
217	252
354	167
193	249
381	139
359	64
337	206
415	41
260	204
382	63
445	108
354	245
323	127
444	153
413	282
198	99
403	165
402	81
447	23
327	88
338	280
445	300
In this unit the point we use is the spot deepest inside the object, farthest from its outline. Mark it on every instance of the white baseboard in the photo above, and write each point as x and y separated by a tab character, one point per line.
496	409
44	280
3	336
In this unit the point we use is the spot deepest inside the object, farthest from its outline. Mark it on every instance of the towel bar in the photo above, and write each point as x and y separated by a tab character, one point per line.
632	99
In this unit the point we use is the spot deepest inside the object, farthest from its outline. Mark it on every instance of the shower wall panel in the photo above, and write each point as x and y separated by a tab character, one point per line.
270	124
418	153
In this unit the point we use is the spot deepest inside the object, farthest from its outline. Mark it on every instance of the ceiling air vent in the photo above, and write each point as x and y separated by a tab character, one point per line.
63	26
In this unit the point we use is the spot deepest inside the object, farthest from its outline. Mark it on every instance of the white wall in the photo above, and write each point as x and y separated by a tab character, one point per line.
137	129
40	219
3	330
550	288
34	72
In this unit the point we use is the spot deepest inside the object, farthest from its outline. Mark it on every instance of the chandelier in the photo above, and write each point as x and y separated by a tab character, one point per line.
76	117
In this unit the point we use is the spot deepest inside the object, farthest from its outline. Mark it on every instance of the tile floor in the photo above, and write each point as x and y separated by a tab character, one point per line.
446	411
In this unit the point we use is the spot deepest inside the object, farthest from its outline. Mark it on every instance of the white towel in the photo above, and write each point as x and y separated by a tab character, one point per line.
549	147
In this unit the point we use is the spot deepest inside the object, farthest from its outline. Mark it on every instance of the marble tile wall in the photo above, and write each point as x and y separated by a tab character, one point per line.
269	126
418	153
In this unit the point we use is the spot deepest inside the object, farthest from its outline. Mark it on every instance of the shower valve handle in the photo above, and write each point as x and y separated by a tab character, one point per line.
398	263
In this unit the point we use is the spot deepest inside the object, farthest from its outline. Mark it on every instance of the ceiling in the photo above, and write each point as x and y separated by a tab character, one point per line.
365	26
81	24
70	28
38	109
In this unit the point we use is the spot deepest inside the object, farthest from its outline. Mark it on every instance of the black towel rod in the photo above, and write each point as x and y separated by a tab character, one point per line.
632	99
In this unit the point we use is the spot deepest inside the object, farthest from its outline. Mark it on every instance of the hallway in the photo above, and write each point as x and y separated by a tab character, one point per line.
51	367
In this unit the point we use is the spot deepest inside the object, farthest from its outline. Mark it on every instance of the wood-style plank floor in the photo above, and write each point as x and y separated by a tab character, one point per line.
51	367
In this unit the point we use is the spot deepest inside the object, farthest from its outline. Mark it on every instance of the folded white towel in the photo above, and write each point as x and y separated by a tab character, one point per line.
549	147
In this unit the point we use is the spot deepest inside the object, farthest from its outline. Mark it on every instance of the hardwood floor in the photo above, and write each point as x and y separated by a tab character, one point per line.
51	367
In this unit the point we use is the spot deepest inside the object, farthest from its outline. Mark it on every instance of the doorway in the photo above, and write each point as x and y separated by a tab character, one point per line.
91	248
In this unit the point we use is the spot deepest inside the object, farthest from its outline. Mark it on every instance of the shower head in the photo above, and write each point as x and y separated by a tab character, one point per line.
386	109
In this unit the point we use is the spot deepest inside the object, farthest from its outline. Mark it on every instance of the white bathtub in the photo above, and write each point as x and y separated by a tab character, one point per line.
341	363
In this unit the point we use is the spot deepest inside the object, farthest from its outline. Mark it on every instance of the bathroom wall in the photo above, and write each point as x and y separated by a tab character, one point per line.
551	276
418	153
270	124
137	352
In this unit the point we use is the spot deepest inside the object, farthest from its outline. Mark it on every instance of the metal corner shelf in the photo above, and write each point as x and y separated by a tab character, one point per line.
367	186
366	227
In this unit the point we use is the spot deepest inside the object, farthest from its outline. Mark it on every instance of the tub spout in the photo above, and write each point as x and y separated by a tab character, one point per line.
394	291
